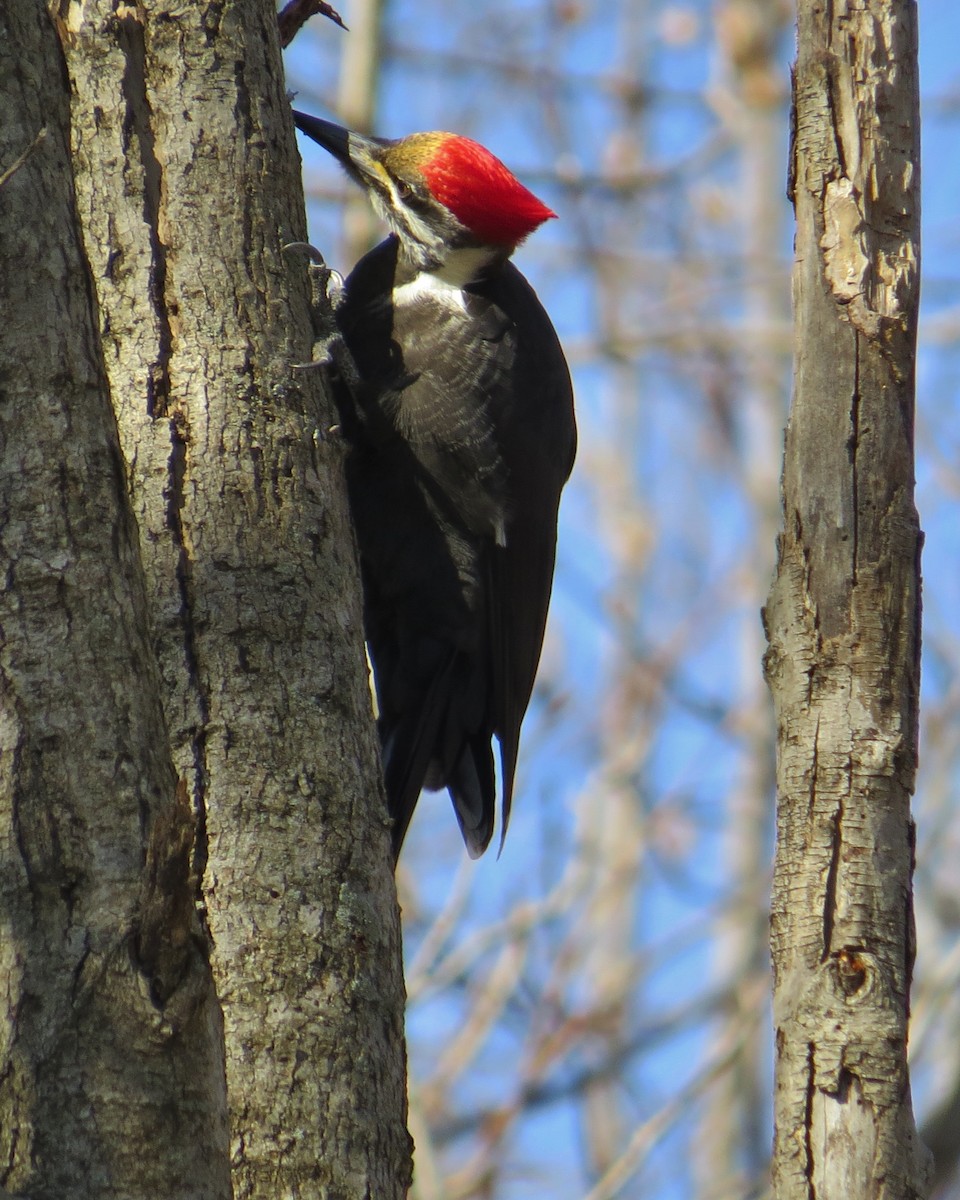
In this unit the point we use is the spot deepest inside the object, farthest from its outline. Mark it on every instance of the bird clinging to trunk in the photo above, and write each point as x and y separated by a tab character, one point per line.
461	433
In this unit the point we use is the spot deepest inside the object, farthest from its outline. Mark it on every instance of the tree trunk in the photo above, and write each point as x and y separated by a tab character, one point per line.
93	1071
223	645
843	618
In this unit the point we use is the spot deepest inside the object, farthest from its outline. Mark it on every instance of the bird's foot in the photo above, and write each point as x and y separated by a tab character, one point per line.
326	295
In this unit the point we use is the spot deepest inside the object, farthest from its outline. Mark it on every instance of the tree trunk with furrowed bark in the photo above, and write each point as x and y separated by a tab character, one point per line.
201	948
843	618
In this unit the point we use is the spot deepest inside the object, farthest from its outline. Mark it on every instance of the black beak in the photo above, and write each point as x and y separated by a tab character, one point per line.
331	137
358	154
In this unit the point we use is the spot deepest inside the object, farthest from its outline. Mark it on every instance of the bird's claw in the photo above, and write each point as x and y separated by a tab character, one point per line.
326	295
326	284
326	287
305	248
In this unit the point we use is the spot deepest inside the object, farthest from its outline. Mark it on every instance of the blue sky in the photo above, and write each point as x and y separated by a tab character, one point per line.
682	477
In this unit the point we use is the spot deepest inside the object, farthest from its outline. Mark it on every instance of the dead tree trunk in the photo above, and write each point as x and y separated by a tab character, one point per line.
843	618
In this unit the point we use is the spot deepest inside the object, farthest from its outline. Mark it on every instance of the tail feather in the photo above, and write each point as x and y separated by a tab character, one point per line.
472	787
442	741
509	746
407	748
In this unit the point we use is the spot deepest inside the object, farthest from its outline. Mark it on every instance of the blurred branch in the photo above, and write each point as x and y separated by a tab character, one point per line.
537	1093
650	1132
358	92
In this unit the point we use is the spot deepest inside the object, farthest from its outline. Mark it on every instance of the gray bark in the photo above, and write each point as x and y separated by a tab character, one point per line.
93	1069
843	617
249	629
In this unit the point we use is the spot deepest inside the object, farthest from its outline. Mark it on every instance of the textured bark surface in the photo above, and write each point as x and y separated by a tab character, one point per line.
248	630
92	1070
843	617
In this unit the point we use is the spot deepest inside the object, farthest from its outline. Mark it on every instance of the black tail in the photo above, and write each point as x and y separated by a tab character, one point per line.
472	785
442	742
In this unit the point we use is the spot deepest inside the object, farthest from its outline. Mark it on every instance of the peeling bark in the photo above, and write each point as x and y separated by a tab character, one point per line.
843	618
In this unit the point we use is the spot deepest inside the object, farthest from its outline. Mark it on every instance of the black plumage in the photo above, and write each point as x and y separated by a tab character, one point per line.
461	435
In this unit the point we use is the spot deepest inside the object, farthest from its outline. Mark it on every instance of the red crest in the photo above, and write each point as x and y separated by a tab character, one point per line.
482	193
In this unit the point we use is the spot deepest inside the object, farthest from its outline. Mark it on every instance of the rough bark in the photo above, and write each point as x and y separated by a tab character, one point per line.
843	617
92	1069
250	632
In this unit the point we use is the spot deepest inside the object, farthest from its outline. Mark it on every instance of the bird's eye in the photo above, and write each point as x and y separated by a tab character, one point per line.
404	190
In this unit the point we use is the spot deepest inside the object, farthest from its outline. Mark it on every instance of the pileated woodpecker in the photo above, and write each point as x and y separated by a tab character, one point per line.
461	432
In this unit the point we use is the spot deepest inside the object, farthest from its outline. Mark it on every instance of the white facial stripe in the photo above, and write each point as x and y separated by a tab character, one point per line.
404	220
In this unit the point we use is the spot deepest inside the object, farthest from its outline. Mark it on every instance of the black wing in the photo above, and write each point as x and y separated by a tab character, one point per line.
539	440
462	438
